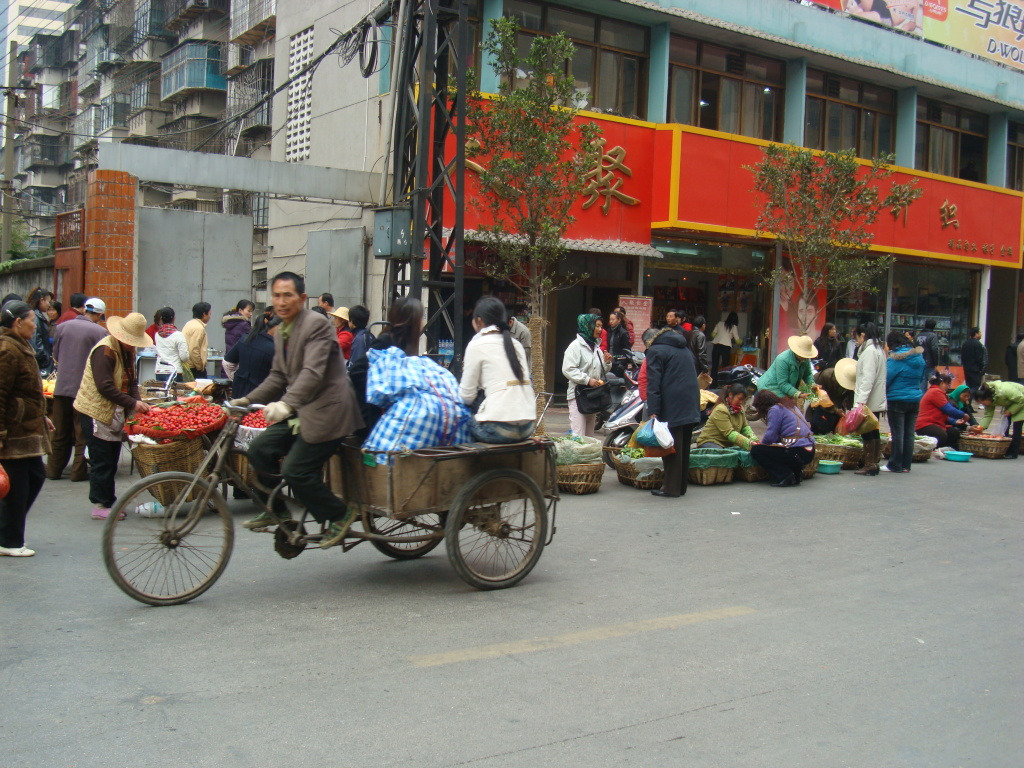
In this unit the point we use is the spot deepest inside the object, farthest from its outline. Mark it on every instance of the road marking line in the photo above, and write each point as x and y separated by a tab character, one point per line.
575	638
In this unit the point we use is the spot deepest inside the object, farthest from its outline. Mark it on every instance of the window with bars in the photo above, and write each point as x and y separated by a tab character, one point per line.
1015	158
843	113
610	63
298	123
724	89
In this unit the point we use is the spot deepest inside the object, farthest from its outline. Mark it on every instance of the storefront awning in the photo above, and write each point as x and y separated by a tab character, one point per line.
588	245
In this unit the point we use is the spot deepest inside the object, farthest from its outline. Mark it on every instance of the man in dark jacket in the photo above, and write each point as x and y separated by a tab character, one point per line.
699	345
673	396
929	341
974	359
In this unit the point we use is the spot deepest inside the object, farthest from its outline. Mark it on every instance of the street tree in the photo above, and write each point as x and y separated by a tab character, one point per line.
820	206
531	158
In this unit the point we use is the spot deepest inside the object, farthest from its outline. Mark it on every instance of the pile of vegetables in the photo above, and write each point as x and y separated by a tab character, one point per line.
177	420
255	420
848	441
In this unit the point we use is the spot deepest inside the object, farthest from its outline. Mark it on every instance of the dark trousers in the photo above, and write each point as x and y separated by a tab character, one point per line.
782	463
68	436
902	417
948	437
677	465
302	469
198	373
103	458
27	477
719	354
1014	449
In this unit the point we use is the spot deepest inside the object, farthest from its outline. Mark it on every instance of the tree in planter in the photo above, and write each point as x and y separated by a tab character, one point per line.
820	207
534	162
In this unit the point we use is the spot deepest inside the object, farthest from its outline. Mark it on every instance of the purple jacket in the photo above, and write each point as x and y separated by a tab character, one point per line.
235	327
788	427
72	342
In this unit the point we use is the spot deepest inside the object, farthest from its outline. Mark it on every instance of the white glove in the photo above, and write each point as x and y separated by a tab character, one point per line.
277	411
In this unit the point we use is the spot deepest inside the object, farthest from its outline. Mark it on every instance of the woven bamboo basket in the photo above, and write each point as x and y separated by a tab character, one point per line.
985	447
580	478
850	456
812	469
918	457
240	463
179	456
712	475
752	474
629	475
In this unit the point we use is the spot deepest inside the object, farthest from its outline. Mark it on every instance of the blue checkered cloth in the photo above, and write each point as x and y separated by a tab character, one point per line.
421	404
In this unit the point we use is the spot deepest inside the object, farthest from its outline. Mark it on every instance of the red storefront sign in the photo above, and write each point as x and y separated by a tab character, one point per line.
709	190
675	177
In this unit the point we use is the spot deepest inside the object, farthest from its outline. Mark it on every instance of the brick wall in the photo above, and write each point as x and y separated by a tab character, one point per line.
110	239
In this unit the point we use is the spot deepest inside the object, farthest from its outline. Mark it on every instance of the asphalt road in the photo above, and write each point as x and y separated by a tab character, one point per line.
849	622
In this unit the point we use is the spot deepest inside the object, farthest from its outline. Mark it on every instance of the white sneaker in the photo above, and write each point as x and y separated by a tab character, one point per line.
150	509
17	551
885	468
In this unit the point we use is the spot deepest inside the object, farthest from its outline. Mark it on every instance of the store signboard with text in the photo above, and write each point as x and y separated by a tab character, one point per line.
710	190
638	311
992	29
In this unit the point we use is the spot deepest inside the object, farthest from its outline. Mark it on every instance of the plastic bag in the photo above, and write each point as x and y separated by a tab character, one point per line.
645	435
658	452
571	449
850	423
870	422
662	433
5	482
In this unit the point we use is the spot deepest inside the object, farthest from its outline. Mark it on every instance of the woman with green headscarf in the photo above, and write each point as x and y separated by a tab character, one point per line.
584	365
960	398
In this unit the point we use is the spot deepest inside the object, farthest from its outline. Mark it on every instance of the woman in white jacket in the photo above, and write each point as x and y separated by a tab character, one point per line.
584	365
496	363
171	347
870	389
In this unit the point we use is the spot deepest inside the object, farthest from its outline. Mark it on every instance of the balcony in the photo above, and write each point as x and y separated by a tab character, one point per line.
33	207
194	66
86	127
249	89
239	57
133	23
114	110
252	21
42	178
44	53
181	12
49	154
192	133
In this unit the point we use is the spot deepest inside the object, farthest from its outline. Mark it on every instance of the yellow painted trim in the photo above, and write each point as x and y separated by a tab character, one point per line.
498	650
945	257
675	174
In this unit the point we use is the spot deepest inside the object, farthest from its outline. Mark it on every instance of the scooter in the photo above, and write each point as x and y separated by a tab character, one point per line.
627	407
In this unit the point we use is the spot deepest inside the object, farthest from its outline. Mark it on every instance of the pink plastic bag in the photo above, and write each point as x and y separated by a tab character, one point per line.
850	423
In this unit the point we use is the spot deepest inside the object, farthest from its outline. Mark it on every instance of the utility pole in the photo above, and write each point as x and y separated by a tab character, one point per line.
7	187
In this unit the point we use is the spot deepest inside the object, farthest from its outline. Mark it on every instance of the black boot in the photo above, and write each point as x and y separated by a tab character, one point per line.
872	449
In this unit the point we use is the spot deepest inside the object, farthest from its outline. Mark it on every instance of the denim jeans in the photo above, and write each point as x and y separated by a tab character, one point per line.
902	418
501	431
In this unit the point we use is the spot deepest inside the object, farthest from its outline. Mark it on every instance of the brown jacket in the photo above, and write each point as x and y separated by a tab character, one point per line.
23	432
311	378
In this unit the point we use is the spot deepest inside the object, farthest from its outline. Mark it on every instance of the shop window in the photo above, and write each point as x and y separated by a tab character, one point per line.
1015	158
610	64
725	90
951	141
926	292
843	113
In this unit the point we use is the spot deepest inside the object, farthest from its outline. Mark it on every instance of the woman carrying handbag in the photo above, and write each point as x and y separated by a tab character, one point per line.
584	365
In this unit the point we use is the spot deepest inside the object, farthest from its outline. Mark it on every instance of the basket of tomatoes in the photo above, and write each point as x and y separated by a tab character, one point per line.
177	421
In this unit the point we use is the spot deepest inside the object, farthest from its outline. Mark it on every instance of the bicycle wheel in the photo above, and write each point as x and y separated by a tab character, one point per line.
172	544
416	526
496	529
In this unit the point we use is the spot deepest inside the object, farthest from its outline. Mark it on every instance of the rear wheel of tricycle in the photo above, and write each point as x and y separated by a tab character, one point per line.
172	543
496	529
416	526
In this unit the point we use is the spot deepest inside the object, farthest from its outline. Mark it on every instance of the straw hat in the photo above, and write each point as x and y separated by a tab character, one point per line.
341	312
803	346
846	373
130	330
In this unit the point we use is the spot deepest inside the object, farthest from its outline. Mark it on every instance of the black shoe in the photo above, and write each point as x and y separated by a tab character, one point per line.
787	483
798	476
659	492
1011	456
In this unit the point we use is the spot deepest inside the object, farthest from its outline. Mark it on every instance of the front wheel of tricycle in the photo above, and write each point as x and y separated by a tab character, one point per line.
168	539
496	529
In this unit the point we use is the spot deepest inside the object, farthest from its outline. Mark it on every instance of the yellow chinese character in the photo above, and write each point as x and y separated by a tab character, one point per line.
602	181
947	213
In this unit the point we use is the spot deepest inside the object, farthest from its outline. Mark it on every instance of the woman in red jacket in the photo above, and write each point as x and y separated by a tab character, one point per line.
937	417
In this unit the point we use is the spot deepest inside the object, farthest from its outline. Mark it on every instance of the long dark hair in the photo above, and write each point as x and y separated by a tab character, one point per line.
261	325
406	320
823	337
731	321
731	391
870	331
491	311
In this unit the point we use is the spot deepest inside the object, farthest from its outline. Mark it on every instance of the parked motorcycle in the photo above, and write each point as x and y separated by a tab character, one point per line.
746	375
